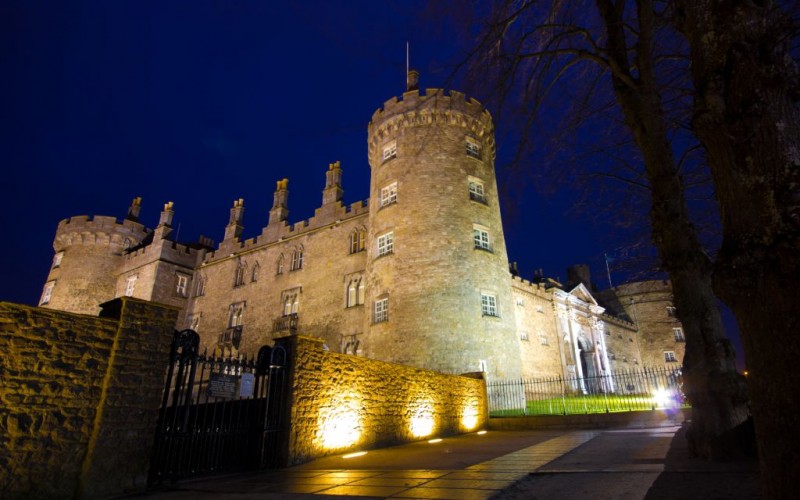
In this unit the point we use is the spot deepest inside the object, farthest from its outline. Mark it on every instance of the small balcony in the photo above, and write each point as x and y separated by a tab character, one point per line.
285	324
231	337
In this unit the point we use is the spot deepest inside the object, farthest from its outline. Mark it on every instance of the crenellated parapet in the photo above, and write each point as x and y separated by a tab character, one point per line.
274	234
99	230
434	107
171	251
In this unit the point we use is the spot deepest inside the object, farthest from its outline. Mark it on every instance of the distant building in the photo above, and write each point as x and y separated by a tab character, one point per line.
417	274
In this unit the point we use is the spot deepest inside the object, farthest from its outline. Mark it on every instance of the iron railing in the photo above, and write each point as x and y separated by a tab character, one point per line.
218	414
287	323
618	391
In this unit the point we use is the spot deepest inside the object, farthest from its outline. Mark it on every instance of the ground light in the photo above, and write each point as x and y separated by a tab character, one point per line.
480	433
437	440
355	454
661	398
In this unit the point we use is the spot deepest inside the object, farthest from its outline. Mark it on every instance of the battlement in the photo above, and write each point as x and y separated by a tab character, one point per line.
433	99
321	219
98	223
434	107
539	289
166	250
99	229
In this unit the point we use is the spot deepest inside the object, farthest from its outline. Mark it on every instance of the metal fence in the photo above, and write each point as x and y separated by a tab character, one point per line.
218	413
624	390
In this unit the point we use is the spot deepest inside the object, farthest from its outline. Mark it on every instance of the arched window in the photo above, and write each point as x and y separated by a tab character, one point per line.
200	286
297	259
352	294
358	240
279	266
126	245
355	291
254	275
362	288
241	267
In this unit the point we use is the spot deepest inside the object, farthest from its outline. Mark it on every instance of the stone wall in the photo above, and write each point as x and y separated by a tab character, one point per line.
342	403
79	398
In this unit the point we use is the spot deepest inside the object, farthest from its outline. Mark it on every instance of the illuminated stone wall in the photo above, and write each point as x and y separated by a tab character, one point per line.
343	403
79	398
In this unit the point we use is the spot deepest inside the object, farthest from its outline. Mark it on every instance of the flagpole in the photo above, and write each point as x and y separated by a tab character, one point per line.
608	271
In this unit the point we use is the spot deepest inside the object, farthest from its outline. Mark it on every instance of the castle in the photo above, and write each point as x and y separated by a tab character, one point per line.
417	274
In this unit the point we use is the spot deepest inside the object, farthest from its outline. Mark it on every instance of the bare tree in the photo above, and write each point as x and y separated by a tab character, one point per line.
746	116
527	49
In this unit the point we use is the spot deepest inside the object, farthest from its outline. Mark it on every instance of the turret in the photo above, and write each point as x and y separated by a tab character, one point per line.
164	228
437	269
134	209
235	228
333	191
88	252
279	211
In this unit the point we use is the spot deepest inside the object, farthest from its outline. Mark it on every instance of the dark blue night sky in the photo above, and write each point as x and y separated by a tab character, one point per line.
201	103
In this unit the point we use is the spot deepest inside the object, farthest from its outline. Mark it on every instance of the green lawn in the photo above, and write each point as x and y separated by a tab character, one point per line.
583	404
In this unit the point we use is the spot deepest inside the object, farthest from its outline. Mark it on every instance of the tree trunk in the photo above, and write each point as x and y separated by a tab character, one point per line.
714	388
747	118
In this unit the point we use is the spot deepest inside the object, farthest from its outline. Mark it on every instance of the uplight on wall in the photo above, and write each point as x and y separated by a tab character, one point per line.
469	416
339	423
422	420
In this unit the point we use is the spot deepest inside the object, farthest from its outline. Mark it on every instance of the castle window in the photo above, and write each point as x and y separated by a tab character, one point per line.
481	238
57	259
358	240
130	285
390	150
671	312
355	292
669	357
385	244
126	245
476	190
239	277
200	288
291	301
543	339
297	260
381	311
351	345
279	265
236	314
181	284
678	332
47	293
473	149
193	321
389	194
524	336
254	275
488	305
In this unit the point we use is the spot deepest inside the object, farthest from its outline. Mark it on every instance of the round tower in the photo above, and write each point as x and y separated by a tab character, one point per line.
437	270
87	255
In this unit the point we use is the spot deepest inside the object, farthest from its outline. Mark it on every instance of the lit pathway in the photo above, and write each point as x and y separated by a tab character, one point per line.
478	481
630	464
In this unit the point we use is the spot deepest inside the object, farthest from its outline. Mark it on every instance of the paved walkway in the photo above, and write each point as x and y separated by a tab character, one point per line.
627	463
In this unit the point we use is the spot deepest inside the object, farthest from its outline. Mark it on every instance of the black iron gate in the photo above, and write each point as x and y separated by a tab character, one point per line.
218	414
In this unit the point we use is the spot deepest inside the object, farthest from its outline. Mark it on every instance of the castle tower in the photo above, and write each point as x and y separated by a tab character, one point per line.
88	252
437	269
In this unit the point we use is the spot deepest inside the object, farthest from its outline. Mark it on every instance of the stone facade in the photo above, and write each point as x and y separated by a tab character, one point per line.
80	398
417	274
359	403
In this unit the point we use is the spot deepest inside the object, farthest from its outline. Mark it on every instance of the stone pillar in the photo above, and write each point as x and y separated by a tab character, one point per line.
121	442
